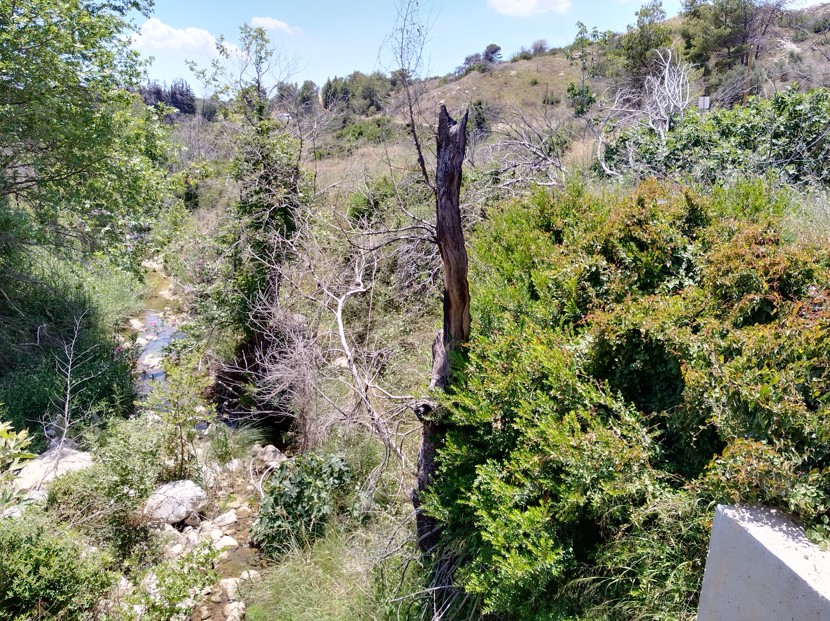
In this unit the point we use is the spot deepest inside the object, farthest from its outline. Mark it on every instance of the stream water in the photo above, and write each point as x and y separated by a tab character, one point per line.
154	328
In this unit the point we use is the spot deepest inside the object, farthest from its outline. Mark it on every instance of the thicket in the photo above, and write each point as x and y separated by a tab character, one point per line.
639	356
784	135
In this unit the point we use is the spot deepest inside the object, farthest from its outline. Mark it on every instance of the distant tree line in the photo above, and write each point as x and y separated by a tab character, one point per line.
178	95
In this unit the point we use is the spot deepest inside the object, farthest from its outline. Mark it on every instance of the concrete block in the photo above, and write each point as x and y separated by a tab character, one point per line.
761	567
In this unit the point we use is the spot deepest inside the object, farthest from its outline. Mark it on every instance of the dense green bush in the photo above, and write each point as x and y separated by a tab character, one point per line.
105	499
45	572
302	494
639	357
783	134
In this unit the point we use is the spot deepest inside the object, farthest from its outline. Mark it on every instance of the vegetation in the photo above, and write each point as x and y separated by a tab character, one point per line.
648	303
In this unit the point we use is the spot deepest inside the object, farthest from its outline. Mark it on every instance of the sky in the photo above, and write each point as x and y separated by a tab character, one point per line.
320	39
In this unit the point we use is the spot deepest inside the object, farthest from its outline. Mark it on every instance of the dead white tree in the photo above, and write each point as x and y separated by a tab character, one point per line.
663	102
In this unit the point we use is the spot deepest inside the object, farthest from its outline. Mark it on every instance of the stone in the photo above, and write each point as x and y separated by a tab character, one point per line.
226	542
762	567
12	513
174	502
234	611
204	613
216	534
231	588
37	495
193	519
49	466
174	551
244	512
270	457
226	519
249	575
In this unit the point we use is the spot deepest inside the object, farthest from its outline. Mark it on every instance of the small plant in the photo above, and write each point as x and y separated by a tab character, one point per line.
170	591
227	443
302	495
181	404
105	499
13	452
45	572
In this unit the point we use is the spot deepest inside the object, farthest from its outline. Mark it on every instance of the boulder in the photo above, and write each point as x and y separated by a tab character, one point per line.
269	457
226	519
175	502
49	466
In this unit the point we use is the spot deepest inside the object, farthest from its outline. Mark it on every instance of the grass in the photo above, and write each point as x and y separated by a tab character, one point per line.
331	581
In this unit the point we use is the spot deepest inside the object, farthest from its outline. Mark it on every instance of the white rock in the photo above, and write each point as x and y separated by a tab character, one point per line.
12	513
123	587
216	534
226	542
37	495
231	587
234	611
249	574
193	519
244	512
175	550
50	465
174	502
226	519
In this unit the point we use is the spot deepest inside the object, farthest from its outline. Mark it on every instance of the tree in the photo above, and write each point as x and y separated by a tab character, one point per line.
728	31
492	54
181	97
642	39
78	156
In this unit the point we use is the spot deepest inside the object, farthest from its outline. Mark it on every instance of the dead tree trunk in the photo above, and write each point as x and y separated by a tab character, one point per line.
452	141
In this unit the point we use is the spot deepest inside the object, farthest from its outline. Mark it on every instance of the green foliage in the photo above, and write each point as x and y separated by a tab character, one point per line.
83	156
169	591
781	135
45	572
367	207
228	443
581	98
376	129
301	496
639	43
640	356
13	453
105	499
181	404
57	323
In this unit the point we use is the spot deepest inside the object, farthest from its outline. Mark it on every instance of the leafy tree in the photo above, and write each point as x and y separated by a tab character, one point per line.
79	157
181	97
492	54
727	31
642	39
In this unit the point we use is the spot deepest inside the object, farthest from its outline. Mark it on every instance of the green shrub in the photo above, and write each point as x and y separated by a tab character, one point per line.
13	453
301	495
228	443
105	499
639	357
46	573
782	134
170	590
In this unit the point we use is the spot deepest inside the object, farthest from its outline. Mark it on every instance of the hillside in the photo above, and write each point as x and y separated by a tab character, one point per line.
491	345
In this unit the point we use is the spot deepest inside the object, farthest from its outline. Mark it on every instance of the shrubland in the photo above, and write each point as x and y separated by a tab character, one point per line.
648	303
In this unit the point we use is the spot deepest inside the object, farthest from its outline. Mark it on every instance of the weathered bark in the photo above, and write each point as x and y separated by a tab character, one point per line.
456	331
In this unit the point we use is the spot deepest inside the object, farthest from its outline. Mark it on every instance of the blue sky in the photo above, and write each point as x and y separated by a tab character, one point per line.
325	38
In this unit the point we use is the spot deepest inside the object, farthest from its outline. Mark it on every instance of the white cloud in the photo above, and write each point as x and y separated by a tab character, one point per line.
156	36
269	23
526	8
